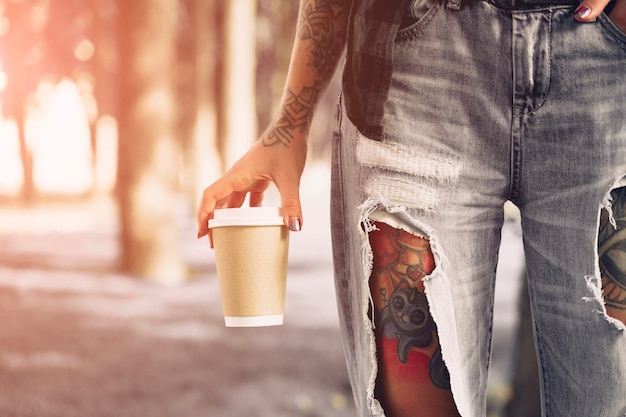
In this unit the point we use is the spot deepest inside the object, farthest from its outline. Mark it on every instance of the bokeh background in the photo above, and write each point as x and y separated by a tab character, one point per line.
114	115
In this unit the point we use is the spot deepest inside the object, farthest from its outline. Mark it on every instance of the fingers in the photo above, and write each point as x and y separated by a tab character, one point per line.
588	10
218	195
256	199
208	203
221	192
228	191
236	199
291	208
251	175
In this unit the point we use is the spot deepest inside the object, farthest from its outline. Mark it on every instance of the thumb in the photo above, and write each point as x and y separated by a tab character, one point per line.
588	10
291	208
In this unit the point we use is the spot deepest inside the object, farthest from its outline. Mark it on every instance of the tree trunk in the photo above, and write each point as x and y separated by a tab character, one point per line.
240	128
205	162
148	151
28	179
23	75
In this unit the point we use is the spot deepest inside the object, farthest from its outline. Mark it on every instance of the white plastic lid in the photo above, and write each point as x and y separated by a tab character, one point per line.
247	216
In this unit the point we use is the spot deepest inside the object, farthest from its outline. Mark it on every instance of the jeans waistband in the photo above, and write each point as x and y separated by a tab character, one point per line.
531	4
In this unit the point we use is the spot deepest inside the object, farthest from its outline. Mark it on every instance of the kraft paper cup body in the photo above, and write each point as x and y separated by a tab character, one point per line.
251	246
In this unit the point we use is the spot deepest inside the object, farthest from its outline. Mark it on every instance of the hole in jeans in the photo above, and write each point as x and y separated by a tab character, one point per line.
612	255
411	373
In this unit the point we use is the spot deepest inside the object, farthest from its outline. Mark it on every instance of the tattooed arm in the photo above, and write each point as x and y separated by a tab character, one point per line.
320	40
280	154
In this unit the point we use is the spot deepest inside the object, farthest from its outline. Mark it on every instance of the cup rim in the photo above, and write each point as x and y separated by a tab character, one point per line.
247	216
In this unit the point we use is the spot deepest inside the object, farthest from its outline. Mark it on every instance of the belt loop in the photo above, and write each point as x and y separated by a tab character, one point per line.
454	4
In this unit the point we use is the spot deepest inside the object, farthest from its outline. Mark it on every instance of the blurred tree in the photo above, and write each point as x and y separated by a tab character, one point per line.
186	89
23	48
239	109
106	60
43	39
199	37
148	150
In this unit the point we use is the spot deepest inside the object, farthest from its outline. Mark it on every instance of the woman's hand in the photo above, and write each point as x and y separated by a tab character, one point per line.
252	174
590	9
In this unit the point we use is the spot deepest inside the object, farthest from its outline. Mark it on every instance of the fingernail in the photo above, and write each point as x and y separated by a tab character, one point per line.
582	12
294	224
200	235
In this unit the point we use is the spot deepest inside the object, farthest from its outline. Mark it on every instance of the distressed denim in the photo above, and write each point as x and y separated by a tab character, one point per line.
485	106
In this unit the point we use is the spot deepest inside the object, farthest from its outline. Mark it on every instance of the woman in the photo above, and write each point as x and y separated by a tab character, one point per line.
450	108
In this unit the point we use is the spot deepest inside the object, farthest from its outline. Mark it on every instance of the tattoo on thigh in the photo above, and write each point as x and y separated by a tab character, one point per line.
406	317
401	261
612	249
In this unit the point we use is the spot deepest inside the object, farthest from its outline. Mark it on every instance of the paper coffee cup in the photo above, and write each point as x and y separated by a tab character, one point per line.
251	246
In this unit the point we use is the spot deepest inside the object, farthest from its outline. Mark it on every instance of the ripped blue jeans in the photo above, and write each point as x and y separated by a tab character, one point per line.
488	105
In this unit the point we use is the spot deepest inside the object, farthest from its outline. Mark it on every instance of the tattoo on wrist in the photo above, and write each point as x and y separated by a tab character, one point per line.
296	113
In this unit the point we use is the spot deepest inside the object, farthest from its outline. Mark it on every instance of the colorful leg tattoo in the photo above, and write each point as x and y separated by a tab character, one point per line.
412	380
